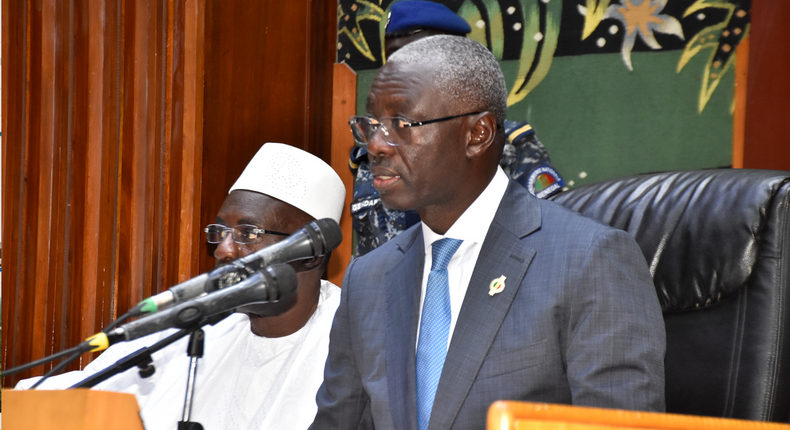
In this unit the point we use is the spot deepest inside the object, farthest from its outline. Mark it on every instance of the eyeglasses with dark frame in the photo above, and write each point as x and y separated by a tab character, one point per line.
244	234
397	131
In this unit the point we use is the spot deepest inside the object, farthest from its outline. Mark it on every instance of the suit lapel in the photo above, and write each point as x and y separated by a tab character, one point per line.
502	254
403	300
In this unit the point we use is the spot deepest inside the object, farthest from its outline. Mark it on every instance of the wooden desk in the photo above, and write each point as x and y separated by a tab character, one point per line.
511	415
78	409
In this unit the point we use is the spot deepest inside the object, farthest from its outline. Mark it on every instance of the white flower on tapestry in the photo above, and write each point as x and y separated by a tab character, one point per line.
643	18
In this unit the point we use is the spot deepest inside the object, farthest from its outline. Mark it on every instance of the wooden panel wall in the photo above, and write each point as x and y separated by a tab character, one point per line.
99	112
766	142
110	108
268	79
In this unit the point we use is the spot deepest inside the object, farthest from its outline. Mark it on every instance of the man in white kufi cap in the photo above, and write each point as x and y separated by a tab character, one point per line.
262	365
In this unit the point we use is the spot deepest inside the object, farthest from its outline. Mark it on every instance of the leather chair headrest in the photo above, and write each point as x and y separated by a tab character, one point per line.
699	230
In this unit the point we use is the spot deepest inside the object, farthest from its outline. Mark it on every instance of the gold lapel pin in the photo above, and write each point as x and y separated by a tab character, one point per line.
496	286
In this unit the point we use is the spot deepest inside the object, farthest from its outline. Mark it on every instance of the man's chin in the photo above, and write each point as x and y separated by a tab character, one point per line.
257	311
393	204
265	310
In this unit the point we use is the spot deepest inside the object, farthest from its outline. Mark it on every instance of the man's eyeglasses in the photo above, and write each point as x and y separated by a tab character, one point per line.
244	233
396	131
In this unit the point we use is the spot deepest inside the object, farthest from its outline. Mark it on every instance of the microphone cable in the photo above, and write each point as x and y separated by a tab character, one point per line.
97	342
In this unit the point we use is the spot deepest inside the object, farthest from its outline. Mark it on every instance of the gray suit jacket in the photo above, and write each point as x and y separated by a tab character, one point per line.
578	322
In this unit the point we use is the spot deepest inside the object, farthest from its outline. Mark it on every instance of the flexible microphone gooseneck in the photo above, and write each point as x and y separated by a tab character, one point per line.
316	238
271	284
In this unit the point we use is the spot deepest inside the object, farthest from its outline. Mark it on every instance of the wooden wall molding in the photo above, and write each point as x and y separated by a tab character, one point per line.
344	102
101	164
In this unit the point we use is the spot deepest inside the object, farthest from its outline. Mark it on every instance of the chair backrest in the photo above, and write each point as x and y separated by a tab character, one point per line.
718	246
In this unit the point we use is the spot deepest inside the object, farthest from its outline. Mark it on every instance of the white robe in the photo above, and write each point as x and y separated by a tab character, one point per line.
243	381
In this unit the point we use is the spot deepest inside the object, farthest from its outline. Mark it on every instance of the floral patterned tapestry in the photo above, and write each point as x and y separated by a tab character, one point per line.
612	87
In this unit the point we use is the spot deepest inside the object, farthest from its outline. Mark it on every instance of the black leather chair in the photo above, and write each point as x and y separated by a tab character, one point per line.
718	245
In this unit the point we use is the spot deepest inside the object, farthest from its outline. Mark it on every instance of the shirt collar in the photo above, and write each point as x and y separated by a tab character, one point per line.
472	226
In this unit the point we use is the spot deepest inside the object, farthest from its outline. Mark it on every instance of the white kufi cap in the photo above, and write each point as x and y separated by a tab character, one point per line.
296	177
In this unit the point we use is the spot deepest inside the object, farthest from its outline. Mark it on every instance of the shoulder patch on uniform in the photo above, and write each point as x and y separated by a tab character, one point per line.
544	181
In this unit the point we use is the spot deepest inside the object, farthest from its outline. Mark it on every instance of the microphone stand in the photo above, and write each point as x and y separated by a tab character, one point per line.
195	352
142	357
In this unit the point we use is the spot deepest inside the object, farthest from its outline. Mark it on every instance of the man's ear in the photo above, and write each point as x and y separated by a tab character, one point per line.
481	134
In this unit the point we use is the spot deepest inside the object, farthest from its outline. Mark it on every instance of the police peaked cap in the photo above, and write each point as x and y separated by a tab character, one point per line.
417	14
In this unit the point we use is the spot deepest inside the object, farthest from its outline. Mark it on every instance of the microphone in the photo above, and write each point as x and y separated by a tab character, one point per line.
316	238
265	286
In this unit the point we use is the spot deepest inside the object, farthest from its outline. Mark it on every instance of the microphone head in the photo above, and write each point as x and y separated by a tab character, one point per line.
328	232
281	280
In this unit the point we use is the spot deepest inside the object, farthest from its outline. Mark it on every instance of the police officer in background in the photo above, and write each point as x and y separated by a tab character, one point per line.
524	157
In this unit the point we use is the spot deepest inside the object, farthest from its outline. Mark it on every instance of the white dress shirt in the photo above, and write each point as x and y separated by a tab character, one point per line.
471	227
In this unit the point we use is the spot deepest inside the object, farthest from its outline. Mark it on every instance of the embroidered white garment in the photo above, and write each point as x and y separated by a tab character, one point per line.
243	382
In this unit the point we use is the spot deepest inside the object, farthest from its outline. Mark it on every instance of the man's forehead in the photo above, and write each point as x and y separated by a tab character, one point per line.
400	86
405	71
249	206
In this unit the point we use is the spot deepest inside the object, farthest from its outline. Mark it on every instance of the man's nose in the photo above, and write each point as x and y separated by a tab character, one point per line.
377	143
227	250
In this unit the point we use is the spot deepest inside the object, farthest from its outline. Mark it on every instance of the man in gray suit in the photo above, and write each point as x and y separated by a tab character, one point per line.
495	294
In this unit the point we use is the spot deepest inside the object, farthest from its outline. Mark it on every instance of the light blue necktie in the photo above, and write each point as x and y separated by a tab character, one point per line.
434	329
